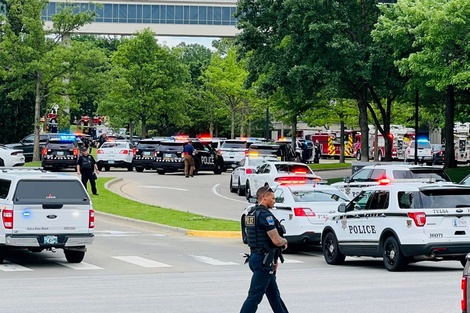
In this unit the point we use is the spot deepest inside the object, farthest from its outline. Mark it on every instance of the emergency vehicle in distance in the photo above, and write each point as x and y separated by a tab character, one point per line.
402	223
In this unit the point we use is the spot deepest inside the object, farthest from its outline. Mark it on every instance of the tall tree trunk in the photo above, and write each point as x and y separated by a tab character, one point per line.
388	139
449	158
37	117
363	124
144	126
232	130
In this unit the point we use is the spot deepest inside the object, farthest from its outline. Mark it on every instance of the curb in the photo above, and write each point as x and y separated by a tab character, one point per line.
160	227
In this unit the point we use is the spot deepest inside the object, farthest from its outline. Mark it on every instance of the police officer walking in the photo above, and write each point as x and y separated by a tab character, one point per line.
86	166
263	238
188	152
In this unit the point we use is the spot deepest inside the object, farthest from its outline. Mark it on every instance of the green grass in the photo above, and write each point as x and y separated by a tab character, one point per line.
329	166
109	202
459	173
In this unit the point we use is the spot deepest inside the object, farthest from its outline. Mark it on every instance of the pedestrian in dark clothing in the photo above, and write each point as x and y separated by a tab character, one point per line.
188	151
86	166
304	147
317	152
263	236
103	138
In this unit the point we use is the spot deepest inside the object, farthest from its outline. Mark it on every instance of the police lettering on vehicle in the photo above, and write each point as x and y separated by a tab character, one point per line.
207	160
362	229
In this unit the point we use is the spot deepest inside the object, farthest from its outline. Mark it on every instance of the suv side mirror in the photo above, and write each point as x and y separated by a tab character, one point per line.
342	208
347	180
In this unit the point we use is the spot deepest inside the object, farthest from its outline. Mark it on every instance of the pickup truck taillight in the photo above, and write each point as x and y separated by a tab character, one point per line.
7	218
91	219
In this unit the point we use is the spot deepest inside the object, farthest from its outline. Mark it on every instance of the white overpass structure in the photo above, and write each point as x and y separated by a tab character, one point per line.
187	18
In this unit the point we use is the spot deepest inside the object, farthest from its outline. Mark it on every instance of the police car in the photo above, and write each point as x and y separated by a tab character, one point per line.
270	174
44	211
401	223
233	151
302	207
247	166
115	154
373	175
11	157
169	157
144	154
425	151
60	151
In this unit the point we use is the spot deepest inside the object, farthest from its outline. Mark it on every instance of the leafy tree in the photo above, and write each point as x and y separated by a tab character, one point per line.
34	55
224	78
147	80
438	32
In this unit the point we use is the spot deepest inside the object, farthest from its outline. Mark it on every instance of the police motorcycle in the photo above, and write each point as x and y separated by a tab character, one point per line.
169	156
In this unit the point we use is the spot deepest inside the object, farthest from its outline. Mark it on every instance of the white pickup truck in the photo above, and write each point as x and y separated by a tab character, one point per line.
233	151
44	211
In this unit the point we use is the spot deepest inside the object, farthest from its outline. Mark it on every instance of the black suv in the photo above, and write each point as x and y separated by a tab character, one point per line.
145	154
60	151
169	157
284	151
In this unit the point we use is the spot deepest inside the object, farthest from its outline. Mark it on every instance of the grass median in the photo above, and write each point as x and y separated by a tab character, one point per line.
109	202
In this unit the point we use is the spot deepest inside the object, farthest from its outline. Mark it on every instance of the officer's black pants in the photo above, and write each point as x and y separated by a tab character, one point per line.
263	282
88	176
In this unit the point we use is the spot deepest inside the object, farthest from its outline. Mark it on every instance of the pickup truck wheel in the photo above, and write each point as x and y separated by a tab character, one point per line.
74	256
139	169
2	255
394	260
100	168
331	251
160	172
107	168
130	168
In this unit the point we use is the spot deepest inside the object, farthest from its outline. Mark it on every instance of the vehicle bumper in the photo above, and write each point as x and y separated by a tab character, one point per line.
230	163
143	163
115	163
58	163
305	238
169	166
34	240
437	249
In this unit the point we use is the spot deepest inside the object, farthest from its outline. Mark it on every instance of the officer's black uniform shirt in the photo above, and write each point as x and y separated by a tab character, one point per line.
257	234
81	160
265	219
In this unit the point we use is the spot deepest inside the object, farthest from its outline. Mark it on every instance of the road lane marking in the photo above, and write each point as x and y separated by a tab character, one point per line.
137	260
292	261
211	261
163	187
214	190
76	266
12	267
117	233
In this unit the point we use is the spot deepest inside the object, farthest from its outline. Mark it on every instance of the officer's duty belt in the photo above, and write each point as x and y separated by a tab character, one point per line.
258	250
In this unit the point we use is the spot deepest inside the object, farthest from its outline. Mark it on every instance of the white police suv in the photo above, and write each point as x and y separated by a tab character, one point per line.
373	175
44	211
245	168
401	223
302	208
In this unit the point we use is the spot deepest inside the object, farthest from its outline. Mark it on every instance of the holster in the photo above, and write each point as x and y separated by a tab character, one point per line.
269	257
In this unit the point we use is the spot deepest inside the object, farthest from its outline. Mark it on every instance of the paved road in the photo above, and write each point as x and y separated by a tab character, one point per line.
131	268
205	194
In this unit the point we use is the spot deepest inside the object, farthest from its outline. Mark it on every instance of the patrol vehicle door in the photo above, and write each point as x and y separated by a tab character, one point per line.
375	221
205	157
261	177
350	225
237	171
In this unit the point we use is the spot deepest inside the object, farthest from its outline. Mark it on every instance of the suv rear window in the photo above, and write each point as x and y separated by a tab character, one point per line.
422	144
234	145
171	146
435	198
297	169
4	188
147	144
61	145
114	144
431	174
50	191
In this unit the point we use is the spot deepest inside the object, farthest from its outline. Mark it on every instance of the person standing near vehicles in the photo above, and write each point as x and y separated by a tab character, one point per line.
103	138
263	237
188	151
87	168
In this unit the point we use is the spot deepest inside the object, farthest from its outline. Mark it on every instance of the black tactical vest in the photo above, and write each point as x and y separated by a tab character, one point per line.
257	237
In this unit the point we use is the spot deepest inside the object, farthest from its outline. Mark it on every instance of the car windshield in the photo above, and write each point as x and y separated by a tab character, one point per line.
293	168
318	196
435	198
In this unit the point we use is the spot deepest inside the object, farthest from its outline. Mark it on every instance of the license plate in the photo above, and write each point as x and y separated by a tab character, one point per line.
231	154
167	155
60	152
50	240
459	222
234	165
146	153
111	162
